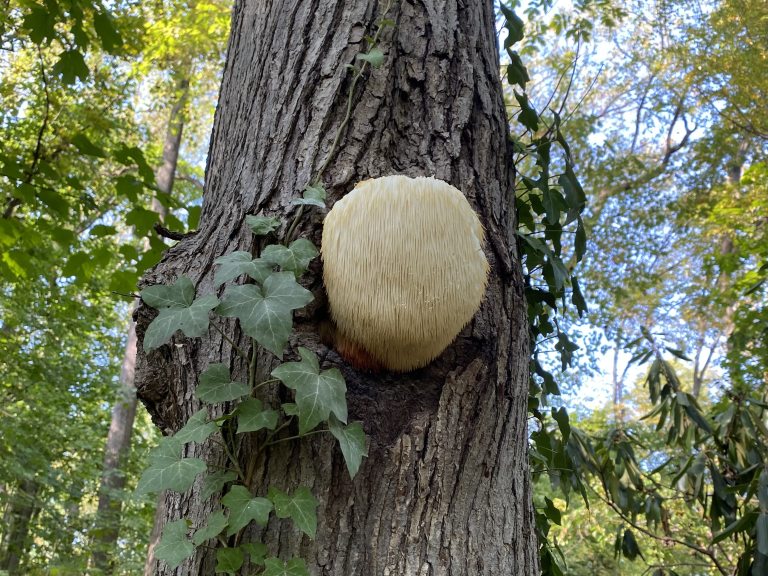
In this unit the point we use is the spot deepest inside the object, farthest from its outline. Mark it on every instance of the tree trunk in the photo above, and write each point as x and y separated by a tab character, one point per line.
107	524
445	489
23	505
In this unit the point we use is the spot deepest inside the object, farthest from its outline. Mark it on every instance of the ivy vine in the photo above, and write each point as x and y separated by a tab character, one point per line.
264	306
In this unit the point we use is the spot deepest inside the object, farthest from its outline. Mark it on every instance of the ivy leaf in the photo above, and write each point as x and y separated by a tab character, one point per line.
216	386
233	265
251	417
295	258
301	508
229	560
180	295
168	470
317	393
528	116
314	195
213	483
262	225
174	547
244	507
514	26
256	551
213	527
107	33
351	441
177	312
374	57
265	311
197	428
71	65
276	567
516	71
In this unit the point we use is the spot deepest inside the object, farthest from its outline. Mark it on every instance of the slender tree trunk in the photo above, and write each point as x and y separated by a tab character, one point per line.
107	525
445	489
18	539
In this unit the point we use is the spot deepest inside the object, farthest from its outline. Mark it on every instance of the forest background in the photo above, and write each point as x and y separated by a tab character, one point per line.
648	437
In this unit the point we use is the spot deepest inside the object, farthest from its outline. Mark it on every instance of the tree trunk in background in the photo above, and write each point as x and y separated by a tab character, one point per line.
23	505
107	524
445	489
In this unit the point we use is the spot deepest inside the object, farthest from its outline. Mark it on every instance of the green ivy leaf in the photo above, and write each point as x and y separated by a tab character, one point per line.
178	311
374	57
238	263
514	26
251	417
197	428
107	32
216	386
213	483
213	527
265	311
179	295
174	547
317	393
516	71
168	470
244	507
351	441
295	258
229	560
276	567
301	508
71	65
314	195
528	116
262	225
256	551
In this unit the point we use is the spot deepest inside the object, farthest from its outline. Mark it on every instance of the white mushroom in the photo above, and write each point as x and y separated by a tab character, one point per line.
404	268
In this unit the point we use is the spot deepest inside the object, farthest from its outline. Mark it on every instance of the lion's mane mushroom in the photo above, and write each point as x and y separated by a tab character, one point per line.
404	270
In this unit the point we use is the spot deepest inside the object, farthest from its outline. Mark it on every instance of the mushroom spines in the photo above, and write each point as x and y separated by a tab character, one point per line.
403	267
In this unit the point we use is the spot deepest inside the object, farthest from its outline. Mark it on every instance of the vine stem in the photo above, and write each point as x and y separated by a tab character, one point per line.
235	347
347	116
297	437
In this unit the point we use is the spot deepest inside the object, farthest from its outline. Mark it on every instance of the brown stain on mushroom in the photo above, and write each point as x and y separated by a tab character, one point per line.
404	269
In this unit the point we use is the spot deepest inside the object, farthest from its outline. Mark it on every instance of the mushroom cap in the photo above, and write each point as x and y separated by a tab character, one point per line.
404	268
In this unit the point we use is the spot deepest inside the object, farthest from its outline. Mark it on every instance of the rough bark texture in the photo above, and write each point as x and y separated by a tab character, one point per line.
23	507
445	490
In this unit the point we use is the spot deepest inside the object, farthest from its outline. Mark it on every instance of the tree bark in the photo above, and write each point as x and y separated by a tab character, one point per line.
445	489
109	511
23	506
